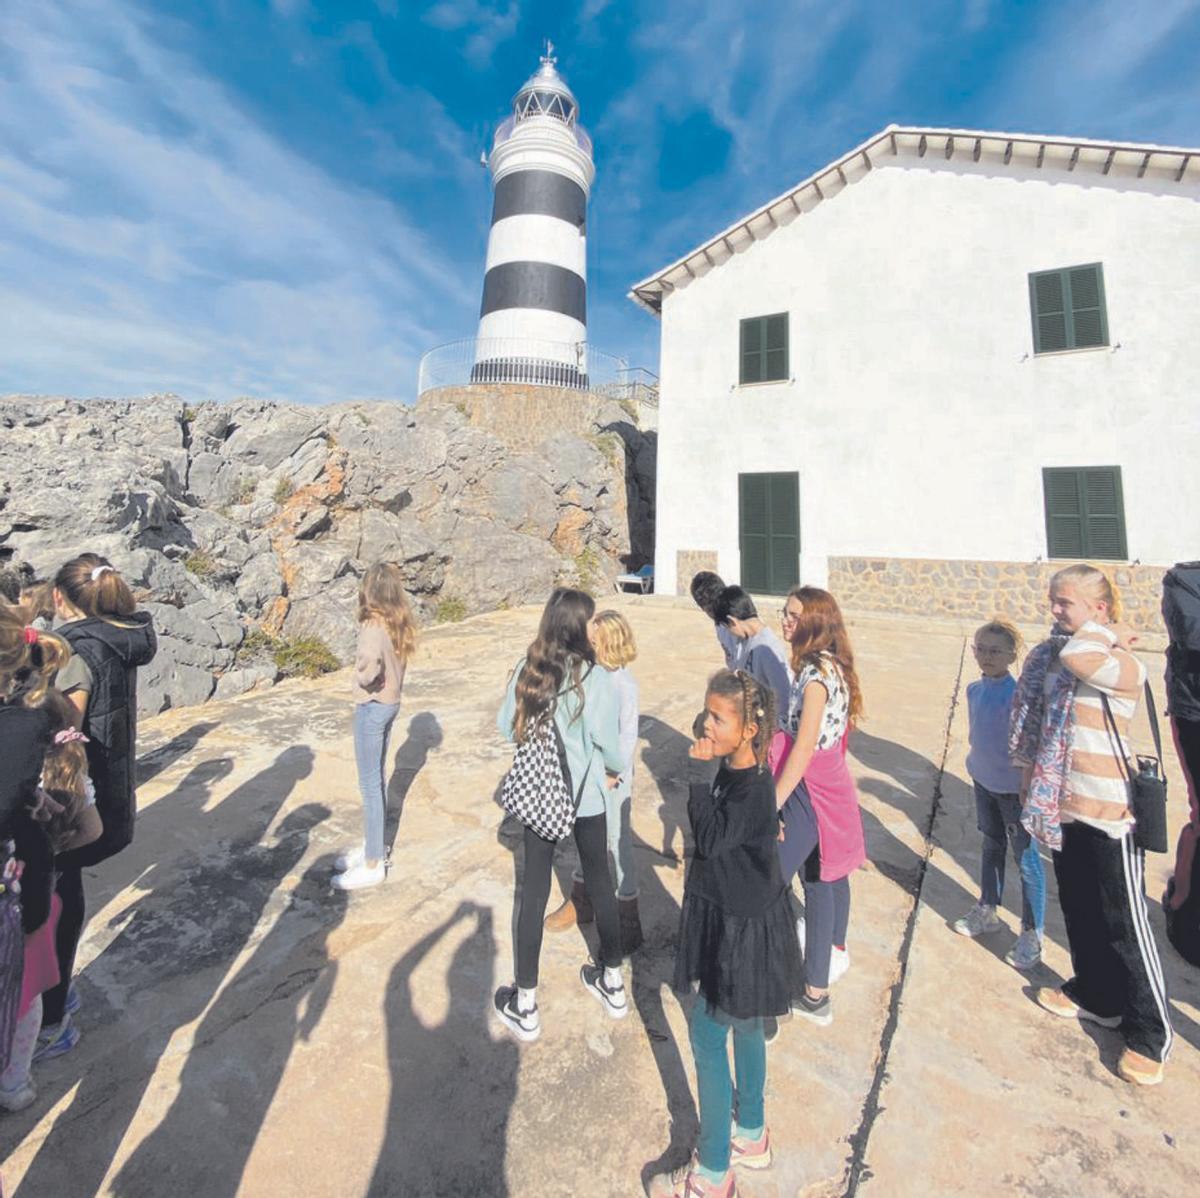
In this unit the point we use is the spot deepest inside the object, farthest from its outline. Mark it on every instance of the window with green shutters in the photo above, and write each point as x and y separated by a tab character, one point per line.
1085	512
763	349
769	532
1068	308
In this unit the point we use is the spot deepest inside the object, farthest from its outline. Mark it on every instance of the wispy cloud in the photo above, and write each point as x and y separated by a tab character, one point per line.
486	25
1109	68
153	235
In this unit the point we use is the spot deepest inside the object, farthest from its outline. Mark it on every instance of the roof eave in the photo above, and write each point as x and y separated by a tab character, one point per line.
656	284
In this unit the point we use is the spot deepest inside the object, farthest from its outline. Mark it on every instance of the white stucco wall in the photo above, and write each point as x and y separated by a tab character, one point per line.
917	415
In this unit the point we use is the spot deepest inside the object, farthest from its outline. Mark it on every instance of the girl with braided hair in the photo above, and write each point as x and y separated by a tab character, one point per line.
737	943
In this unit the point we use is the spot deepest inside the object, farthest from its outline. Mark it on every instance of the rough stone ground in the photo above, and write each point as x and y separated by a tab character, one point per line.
246	1032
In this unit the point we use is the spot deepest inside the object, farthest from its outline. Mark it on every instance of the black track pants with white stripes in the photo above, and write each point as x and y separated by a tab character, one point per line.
1101	887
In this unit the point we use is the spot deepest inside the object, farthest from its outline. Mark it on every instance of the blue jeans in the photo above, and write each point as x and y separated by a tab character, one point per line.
372	725
710	1037
999	818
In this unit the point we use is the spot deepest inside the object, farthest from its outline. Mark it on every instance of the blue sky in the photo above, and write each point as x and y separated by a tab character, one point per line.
283	198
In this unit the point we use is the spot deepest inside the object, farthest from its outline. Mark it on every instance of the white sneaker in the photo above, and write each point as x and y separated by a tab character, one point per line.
839	962
979	921
350	858
525	1025
1026	952
611	997
359	877
17	1100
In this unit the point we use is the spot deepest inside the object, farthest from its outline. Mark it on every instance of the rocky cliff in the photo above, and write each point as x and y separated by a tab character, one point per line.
245	527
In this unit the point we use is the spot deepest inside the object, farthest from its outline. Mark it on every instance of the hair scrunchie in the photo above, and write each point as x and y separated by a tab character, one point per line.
30	634
98	571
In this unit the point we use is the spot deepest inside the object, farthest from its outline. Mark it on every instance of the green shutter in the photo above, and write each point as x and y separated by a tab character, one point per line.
1088	324
1105	513
754	538
1068	308
1064	513
784	492
753	334
763	349
775	346
1048	300
1085	512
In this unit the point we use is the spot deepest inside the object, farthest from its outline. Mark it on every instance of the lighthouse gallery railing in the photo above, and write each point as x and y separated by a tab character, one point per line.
530	362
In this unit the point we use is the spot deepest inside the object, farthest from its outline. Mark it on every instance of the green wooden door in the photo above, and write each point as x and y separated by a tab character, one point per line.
769	532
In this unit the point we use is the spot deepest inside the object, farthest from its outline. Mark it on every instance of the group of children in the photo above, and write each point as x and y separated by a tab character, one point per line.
783	804
67	730
1049	762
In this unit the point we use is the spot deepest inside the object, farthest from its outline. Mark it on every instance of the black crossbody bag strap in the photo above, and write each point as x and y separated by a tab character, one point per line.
1153	715
1119	753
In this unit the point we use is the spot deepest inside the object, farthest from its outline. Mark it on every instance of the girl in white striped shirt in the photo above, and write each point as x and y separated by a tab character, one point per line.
1118	978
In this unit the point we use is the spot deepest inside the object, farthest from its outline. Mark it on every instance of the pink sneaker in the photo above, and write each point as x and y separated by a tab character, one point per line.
751	1154
687	1183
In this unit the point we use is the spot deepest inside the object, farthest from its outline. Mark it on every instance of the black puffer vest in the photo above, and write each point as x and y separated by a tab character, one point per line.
1181	614
113	653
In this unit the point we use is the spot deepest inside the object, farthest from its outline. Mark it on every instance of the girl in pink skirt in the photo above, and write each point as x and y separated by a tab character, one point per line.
821	836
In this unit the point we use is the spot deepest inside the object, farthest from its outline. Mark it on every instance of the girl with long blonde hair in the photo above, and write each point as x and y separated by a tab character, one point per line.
387	637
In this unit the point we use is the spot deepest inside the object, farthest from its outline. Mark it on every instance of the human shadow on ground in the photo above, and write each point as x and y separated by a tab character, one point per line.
453	1085
194	917
665	756
424	735
232	1072
152	763
912	794
228	1082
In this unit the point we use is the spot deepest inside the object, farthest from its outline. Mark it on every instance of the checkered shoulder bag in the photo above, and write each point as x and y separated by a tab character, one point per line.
537	787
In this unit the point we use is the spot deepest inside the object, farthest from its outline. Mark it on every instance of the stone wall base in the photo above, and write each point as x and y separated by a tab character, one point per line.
979	590
523	416
689	563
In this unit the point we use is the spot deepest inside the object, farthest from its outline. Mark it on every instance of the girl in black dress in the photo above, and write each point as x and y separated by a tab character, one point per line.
737	941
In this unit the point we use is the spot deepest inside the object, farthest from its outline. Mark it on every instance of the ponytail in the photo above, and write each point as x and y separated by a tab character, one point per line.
91	584
29	658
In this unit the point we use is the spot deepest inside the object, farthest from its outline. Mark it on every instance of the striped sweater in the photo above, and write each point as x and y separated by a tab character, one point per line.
1097	790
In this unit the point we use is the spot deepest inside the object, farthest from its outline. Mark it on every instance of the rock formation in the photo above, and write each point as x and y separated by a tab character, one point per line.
251	515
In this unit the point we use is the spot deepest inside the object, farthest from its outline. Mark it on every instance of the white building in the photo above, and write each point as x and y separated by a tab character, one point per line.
945	358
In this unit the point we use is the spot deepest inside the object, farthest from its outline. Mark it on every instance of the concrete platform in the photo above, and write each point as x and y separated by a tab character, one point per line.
247	1032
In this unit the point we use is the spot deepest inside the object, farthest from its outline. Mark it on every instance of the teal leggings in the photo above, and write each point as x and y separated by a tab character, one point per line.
710	1038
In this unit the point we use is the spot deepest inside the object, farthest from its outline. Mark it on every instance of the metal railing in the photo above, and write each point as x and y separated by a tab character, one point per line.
577	365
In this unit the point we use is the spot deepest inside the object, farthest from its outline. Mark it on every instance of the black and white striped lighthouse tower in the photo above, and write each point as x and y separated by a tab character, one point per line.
533	320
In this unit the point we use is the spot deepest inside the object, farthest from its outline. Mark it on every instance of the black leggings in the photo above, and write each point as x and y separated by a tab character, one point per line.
66	940
591	839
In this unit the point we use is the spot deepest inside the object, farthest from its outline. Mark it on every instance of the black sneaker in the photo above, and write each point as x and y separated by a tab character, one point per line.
525	1025
614	1000
818	1010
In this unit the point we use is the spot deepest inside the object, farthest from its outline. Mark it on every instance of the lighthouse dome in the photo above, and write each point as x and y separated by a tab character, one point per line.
546	94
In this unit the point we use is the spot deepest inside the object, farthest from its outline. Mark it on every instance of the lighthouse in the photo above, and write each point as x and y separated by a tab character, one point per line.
533	318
